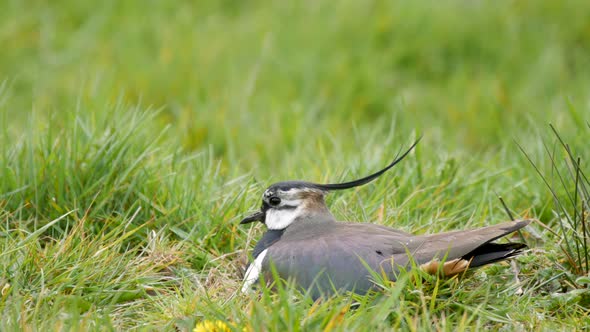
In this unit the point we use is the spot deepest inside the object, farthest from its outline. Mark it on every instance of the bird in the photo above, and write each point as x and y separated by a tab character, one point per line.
306	244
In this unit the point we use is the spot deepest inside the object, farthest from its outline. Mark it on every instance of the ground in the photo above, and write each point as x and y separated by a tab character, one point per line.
135	135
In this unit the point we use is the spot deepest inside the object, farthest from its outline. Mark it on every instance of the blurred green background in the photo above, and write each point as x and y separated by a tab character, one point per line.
256	78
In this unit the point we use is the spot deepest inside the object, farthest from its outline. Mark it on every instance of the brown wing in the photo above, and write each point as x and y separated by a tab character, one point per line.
457	244
339	256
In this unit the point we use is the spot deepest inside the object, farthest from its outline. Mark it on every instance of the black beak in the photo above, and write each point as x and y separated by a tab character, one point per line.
256	216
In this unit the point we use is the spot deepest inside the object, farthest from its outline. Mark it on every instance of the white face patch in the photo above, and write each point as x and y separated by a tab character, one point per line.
292	205
290	202
280	219
253	272
285	195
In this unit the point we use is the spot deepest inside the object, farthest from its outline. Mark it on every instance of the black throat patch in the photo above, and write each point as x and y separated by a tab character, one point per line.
271	236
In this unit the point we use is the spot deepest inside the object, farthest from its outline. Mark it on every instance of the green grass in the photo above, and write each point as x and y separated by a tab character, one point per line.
134	136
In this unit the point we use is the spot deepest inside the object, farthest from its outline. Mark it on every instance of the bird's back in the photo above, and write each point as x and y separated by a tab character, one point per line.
340	255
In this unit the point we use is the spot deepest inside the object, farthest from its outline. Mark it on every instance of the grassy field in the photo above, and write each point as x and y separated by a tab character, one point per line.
135	135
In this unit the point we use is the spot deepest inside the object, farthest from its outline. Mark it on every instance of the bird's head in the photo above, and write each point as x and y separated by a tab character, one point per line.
284	202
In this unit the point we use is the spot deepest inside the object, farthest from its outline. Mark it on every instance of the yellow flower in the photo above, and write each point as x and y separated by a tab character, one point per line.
212	326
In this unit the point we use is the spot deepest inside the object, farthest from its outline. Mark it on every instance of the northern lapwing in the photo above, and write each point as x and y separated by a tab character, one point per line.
306	244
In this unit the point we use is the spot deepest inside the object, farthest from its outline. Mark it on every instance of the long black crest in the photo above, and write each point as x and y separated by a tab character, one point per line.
367	179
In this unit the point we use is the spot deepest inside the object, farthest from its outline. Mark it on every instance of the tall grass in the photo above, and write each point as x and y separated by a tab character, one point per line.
568	184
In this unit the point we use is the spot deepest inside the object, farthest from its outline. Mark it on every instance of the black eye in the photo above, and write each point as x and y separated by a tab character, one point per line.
274	201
